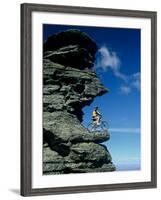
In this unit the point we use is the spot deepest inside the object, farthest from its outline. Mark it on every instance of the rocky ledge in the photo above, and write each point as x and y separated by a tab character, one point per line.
69	84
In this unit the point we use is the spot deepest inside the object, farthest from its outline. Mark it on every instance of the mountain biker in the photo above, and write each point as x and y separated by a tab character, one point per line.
96	116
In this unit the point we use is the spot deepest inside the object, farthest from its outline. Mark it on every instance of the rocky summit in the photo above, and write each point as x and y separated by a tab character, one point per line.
69	84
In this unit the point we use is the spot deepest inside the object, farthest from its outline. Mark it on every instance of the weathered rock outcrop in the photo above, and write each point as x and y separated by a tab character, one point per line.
69	84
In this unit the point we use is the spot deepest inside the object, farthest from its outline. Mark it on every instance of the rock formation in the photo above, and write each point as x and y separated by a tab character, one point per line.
69	84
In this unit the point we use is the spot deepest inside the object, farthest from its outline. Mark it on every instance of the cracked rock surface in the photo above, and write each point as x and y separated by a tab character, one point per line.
69	84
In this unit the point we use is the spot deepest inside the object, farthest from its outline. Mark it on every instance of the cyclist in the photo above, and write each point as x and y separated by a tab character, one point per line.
96	116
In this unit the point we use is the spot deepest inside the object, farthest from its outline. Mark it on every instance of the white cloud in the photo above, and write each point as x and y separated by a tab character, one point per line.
107	59
125	130
135	80
125	89
120	75
132	82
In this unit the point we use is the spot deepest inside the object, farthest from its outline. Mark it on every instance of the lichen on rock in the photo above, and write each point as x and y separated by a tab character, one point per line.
69	84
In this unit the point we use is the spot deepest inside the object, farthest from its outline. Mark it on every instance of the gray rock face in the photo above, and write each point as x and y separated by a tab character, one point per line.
72	88
68	85
71	47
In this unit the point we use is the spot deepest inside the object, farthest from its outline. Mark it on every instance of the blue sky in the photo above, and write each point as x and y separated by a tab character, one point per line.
118	67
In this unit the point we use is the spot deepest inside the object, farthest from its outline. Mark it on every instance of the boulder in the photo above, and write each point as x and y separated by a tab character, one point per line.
70	84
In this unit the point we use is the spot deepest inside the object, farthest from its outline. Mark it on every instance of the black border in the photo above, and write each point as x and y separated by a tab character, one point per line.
26	96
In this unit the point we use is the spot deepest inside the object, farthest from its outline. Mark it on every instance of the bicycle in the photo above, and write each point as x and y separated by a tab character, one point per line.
93	126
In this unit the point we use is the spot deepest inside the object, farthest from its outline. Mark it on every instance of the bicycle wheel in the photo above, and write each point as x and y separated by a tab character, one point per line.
91	127
104	125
